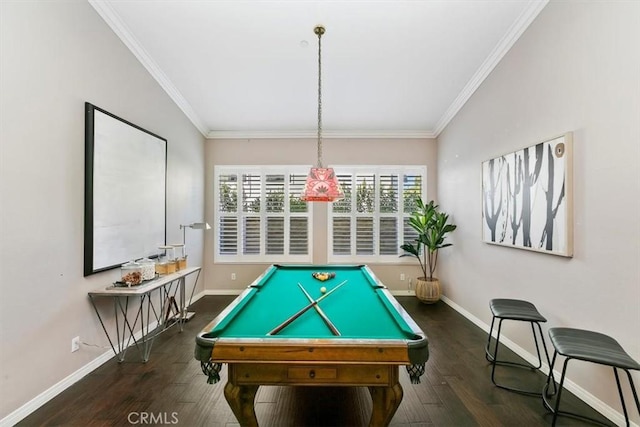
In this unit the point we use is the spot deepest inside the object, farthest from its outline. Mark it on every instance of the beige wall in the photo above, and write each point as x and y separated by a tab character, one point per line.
304	152
56	56
577	68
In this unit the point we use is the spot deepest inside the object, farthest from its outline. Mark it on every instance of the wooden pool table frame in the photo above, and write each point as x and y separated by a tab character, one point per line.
313	362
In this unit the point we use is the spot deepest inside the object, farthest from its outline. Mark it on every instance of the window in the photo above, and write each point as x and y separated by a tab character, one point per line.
372	221
260	217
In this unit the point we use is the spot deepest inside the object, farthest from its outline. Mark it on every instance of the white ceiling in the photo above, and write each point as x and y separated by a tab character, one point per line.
250	68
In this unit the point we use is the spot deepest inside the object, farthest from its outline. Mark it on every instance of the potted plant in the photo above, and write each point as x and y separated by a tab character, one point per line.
432	227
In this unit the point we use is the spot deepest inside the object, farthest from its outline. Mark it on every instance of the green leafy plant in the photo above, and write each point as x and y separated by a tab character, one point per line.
432	227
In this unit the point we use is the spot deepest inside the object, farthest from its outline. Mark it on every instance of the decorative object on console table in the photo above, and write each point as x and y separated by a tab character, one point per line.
181	257
182	262
148	267
527	198
131	273
166	260
432	227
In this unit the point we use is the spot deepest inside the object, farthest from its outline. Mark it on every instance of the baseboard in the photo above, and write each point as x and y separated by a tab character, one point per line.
198	296
582	394
223	291
31	406
397	293
406	293
35	403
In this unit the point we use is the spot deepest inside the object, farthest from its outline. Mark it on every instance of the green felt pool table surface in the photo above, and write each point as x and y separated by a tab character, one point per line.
359	308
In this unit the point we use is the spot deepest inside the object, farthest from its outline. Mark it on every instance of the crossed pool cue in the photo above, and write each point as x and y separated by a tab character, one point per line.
313	303
329	323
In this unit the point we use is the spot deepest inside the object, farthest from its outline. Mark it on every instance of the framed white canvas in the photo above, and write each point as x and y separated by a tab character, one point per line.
125	191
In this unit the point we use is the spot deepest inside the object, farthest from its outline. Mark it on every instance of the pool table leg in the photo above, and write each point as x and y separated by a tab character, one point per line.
241	398
385	403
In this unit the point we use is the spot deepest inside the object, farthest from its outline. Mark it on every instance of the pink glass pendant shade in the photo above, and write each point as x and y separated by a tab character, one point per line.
322	186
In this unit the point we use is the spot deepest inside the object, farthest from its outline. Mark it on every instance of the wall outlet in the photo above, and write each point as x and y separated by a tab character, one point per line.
402	277
233	276
75	344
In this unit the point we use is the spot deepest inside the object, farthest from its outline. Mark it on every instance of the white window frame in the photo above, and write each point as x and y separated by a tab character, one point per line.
378	170
262	257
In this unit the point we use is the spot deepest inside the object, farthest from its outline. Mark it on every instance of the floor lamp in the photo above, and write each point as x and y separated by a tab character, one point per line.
195	226
183	227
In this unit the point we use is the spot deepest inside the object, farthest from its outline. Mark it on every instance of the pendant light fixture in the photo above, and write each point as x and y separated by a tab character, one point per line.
322	183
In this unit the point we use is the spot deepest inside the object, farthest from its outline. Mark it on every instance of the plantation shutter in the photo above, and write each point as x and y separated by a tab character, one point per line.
412	189
389	194
372	221
260	217
274	205
251	189
341	227
228	211
298	219
271	223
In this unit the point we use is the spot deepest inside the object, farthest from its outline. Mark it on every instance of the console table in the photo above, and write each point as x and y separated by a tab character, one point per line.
168	309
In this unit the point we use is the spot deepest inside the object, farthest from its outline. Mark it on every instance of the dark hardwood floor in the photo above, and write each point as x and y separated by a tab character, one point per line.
171	390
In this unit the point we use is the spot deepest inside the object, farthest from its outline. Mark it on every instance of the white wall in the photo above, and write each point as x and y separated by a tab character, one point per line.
577	68
56	56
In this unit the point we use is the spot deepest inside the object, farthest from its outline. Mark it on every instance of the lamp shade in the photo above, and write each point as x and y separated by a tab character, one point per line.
200	226
322	186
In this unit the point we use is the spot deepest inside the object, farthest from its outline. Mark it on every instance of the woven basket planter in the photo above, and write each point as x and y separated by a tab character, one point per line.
428	291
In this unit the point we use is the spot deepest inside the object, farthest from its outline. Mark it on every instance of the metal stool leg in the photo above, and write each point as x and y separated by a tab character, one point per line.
493	358
633	389
488	355
550	379
556	408
560	386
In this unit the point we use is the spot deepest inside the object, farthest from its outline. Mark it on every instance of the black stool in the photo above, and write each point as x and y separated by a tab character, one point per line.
524	311
590	347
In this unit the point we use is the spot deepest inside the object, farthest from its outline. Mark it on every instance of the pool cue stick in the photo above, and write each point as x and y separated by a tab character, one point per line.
326	319
302	311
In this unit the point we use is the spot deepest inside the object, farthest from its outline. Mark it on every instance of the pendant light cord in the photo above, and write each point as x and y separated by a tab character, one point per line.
319	31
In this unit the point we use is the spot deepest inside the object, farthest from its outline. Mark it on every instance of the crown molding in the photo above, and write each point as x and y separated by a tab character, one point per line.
111	17
522	23
369	134
113	20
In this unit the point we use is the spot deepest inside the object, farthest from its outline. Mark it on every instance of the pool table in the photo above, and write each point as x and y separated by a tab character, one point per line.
372	336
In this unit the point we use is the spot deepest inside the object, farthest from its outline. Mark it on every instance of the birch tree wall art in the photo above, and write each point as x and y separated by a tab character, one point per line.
527	198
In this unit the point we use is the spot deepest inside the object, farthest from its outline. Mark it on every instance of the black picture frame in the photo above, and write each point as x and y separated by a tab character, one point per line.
125	191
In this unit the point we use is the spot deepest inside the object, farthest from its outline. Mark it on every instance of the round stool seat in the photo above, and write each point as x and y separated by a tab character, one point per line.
515	309
591	347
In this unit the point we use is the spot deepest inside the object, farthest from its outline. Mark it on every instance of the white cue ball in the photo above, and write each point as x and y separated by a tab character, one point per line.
323	289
